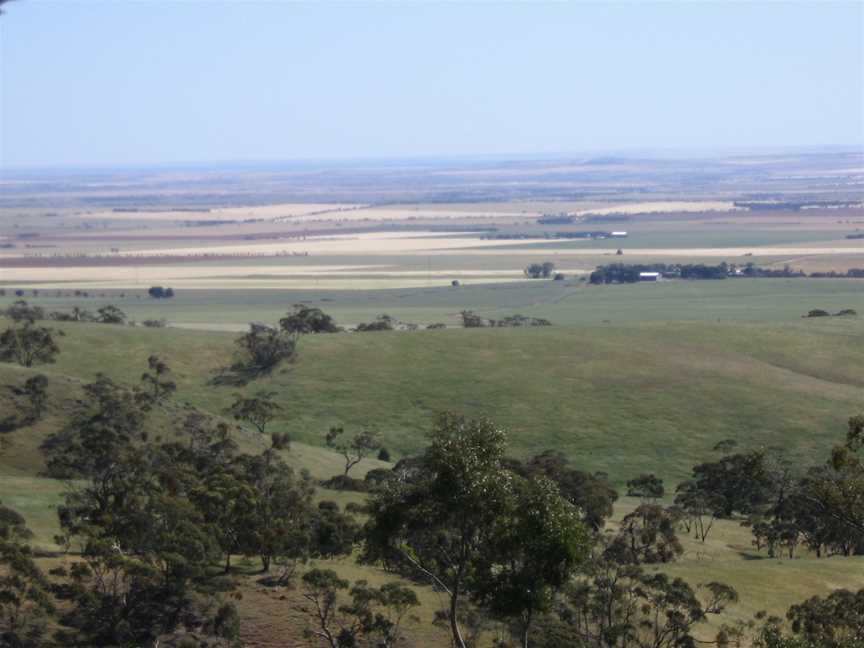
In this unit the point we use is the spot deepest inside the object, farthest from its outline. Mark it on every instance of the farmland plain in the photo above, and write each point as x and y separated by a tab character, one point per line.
628	379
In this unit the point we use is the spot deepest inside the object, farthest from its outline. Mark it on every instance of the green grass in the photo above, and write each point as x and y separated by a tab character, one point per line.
568	302
763	583
622	398
625	398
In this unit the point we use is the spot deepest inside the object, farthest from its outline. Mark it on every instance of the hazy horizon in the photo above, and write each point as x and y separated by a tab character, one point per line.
192	84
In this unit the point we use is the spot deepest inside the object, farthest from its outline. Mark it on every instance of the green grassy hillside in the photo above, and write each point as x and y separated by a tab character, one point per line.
623	398
617	398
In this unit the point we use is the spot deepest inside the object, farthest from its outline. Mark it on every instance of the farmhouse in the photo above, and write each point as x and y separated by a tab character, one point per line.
649	276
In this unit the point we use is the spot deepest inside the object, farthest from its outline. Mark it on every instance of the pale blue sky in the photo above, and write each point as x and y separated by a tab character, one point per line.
150	82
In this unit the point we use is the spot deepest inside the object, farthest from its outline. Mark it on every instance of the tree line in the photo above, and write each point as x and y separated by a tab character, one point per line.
629	273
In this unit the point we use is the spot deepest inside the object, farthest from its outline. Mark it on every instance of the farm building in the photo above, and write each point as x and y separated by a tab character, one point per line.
619	234
650	276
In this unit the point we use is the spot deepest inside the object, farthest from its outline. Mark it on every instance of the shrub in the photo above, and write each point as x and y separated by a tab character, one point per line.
306	319
345	483
381	323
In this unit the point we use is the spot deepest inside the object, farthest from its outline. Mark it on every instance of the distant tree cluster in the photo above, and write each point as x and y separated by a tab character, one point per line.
158	292
629	273
540	270
386	322
818	312
470	319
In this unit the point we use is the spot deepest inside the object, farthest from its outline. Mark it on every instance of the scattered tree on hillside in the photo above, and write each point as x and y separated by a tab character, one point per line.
646	487
259	352
622	606
110	315
157	381
535	550
36	392
438	524
28	344
21	311
737	483
697	508
104	428
258	410
307	319
591	494
25	599
374	614
355	449
645	536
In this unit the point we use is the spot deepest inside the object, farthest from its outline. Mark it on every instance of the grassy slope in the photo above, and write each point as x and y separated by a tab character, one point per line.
622	398
619	398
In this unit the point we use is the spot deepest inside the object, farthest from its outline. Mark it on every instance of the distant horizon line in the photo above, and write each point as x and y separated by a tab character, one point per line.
634	153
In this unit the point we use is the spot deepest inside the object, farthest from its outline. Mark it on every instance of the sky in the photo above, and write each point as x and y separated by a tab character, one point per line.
146	81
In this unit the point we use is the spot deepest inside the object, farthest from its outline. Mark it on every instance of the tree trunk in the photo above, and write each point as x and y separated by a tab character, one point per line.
227	562
454	623
526	626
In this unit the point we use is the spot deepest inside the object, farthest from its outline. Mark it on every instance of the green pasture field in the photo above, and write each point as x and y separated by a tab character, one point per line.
564	303
621	398
624	398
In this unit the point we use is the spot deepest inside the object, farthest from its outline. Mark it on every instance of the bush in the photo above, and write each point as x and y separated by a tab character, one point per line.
345	483
152	323
377	476
847	312
306	319
436	325
383	454
381	323
111	315
817	312
21	311
470	319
